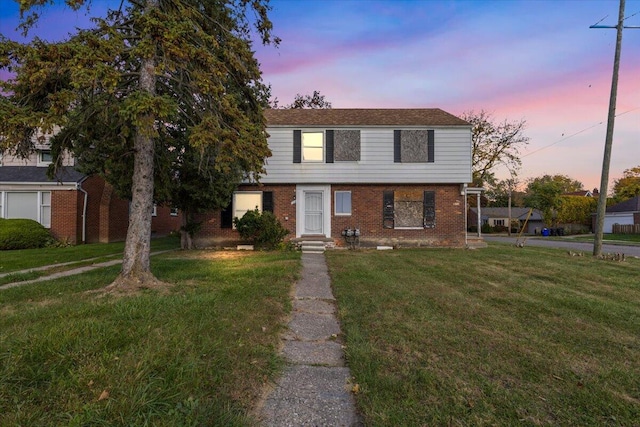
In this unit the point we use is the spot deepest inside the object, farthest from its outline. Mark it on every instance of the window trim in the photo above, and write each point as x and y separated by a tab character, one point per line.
335	203
4	196
41	161
233	202
322	147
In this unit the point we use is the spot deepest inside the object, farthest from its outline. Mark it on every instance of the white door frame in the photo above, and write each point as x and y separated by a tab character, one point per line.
326	207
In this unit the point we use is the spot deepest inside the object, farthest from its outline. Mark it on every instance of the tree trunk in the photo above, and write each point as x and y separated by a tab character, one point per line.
186	242
136	269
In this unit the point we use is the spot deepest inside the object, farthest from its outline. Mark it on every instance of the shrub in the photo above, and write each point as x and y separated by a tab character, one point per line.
261	229
23	234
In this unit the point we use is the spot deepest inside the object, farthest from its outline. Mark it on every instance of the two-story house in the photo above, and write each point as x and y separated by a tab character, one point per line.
399	176
75	207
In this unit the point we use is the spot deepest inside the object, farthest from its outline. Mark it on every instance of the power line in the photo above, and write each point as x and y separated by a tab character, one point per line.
574	134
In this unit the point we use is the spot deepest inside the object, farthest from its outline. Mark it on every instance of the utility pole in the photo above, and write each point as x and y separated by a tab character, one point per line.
606	161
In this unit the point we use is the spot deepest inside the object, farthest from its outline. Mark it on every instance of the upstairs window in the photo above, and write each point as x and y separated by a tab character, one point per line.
413	146
312	146
44	158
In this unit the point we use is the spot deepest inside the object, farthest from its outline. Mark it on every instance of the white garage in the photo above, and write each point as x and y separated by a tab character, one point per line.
616	218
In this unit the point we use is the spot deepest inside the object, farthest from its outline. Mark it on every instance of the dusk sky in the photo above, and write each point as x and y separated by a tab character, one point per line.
534	60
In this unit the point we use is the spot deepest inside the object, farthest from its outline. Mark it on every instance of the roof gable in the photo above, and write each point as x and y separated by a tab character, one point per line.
362	117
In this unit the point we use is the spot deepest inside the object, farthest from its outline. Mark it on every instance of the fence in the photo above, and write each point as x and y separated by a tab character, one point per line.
626	229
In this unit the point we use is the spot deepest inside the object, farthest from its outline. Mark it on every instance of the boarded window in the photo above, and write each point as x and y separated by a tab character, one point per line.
409	209
413	146
346	145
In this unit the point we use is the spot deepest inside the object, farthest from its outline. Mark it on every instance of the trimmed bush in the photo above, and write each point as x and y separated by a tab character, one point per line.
261	229
23	234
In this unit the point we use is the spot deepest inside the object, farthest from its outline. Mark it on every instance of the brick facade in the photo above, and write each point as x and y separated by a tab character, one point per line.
107	215
367	209
66	216
211	233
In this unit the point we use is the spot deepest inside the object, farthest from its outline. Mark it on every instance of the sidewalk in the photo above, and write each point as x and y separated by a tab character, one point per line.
65	273
314	389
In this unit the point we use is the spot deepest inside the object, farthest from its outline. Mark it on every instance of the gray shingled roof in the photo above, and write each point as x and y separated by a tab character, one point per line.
362	117
35	174
631	205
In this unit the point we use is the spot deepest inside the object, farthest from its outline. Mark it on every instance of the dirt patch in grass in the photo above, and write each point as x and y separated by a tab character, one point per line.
125	287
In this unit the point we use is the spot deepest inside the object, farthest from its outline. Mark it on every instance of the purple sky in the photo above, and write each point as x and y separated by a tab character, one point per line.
535	60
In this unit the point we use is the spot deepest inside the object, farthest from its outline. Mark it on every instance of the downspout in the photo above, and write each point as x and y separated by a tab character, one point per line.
463	192
84	210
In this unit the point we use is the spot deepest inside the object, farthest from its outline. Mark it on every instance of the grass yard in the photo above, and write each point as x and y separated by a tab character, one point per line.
195	356
67	258
498	336
32	258
624	239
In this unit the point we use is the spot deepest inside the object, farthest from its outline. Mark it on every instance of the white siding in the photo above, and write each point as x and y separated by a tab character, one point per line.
616	218
452	160
32	160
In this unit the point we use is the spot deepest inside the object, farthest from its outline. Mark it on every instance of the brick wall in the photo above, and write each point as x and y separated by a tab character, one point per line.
108	214
163	223
66	215
212	235
366	215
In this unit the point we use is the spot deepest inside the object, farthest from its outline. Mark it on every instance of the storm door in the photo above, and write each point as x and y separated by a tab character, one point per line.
313	212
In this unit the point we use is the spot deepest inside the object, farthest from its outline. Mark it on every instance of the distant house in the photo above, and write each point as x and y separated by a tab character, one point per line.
583	193
500	217
399	176
76	208
624	213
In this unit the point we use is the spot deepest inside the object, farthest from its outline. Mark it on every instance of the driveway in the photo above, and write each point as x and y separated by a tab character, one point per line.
567	244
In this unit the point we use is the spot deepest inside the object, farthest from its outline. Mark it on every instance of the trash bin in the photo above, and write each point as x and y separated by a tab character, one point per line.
545	231
560	231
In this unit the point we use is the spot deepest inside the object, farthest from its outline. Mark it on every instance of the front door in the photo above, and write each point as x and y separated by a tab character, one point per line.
313	212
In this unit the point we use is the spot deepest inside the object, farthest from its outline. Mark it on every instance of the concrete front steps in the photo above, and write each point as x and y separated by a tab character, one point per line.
313	244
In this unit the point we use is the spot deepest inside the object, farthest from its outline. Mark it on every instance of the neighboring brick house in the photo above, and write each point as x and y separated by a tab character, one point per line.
75	207
398	175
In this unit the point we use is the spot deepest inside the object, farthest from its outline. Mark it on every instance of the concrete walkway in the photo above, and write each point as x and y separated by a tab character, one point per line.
315	388
65	273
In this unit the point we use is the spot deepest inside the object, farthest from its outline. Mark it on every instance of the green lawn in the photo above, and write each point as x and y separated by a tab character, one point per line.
198	355
498	336
33	258
614	238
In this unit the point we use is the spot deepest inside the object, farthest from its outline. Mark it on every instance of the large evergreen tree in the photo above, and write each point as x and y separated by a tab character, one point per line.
156	92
